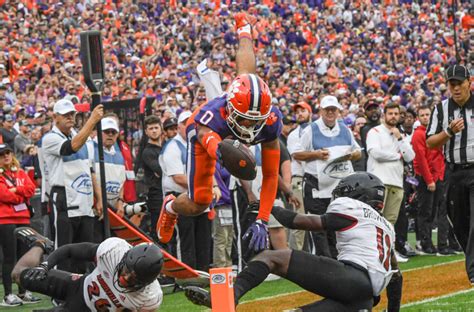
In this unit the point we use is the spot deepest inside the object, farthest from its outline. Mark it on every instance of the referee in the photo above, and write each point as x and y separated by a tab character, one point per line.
452	125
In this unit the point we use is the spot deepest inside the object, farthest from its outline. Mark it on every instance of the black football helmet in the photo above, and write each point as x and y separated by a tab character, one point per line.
362	186
145	261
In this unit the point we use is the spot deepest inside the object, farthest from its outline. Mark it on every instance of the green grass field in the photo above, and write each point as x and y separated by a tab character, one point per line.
462	301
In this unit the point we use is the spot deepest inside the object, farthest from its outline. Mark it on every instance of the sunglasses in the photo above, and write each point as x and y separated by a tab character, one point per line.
5	153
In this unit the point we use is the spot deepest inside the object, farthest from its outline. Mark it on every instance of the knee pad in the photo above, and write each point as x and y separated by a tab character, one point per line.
29	282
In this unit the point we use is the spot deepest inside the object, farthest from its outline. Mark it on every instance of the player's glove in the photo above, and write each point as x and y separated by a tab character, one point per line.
37	273
258	235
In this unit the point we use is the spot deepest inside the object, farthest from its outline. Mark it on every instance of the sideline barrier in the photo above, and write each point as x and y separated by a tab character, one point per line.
222	290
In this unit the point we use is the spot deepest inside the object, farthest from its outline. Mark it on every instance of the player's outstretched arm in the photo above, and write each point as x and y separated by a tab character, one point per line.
245	55
79	251
293	220
270	169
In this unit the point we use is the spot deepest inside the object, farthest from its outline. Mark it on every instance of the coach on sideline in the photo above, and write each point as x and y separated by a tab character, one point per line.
452	124
70	170
322	141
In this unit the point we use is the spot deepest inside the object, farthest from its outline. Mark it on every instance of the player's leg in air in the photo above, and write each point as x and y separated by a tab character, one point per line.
30	273
202	157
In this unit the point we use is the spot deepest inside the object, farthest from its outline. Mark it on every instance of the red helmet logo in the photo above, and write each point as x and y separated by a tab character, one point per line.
249	94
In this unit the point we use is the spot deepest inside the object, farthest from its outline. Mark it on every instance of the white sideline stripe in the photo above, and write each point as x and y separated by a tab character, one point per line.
273	297
433	265
406	305
411	304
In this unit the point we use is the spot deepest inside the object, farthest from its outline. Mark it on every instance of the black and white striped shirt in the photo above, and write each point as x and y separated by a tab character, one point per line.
460	148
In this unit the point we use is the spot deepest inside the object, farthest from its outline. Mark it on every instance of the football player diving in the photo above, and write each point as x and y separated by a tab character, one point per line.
244	113
365	265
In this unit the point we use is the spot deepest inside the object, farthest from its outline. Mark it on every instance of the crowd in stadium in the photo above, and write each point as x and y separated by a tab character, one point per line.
370	56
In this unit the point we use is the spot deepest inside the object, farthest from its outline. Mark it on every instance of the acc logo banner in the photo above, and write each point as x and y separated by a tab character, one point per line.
112	187
82	184
218	278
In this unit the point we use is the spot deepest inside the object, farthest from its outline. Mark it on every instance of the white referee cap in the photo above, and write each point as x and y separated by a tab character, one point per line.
109	123
63	107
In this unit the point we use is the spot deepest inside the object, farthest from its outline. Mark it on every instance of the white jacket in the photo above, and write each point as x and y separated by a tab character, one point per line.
386	155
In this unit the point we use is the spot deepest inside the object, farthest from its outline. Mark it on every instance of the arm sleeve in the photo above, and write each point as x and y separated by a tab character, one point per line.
284	216
374	150
150	159
66	148
407	151
210	141
336	222
80	251
306	140
270	166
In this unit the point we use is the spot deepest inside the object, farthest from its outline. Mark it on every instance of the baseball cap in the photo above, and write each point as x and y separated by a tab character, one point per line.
24	123
109	123
5	147
8	117
170	122
457	72
184	116
303	105
370	103
63	106
330	101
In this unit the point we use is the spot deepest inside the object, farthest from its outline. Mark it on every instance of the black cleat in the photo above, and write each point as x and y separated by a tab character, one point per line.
32	238
198	295
445	252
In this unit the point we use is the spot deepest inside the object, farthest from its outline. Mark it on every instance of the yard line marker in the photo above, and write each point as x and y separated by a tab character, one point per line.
437	298
433	265
273	297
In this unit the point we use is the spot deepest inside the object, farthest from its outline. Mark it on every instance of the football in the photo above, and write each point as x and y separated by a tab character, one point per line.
238	159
